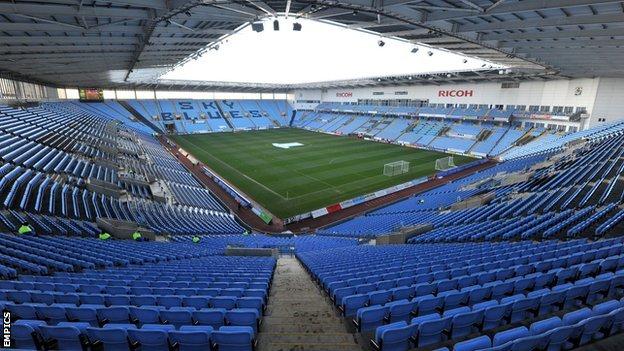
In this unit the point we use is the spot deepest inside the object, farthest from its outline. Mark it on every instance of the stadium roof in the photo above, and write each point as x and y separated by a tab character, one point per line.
434	78
121	42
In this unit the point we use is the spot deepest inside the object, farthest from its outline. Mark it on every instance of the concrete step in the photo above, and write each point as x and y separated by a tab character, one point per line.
282	296
300	317
322	315
302	307
304	338
308	320
275	346
292	327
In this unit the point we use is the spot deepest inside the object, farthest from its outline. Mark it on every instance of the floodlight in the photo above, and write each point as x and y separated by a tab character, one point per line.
381	43
430	53
297	27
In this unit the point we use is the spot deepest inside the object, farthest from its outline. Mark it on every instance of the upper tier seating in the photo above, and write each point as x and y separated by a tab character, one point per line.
425	111
208	116
538	206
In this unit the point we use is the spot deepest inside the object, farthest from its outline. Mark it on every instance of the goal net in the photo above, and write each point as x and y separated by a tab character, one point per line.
444	163
396	168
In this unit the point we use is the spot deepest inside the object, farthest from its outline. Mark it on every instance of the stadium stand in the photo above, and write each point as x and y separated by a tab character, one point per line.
478	132
536	263
61	161
125	291
428	295
207	116
585	178
455	183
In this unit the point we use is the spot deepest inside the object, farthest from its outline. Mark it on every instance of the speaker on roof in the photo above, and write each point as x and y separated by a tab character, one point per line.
297	27
257	26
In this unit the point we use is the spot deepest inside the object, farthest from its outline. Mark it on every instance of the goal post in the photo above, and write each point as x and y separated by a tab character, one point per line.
395	168
444	163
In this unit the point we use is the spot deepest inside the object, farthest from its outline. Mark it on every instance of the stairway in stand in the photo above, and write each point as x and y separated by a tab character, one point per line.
299	317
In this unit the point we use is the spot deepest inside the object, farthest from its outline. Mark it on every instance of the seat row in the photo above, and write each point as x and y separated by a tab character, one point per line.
541	261
513	307
211	289
525	276
574	329
20	298
475	288
583	324
36	335
99	315
156	280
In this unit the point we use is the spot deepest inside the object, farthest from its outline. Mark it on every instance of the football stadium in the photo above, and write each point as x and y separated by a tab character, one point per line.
394	175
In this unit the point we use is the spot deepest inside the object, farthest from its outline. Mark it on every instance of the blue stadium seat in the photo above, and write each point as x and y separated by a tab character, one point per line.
247	317
369	318
157	340
395	336
234	338
214	317
481	342
66	336
177	316
115	339
188	340
24	334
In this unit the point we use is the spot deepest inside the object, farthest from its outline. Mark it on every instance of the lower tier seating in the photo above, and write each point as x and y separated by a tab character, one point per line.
428	296
195	300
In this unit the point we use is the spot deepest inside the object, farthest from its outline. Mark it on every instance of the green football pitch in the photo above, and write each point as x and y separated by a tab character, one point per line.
325	170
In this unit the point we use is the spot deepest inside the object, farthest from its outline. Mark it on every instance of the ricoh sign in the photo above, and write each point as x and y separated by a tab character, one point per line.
345	94
456	93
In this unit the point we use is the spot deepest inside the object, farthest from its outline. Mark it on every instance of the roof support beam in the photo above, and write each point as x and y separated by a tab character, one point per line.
148	29
445	8
29	40
59	23
37	9
543	22
502	7
65	48
554	34
571	45
472	5
330	12
63	28
262	7
494	5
